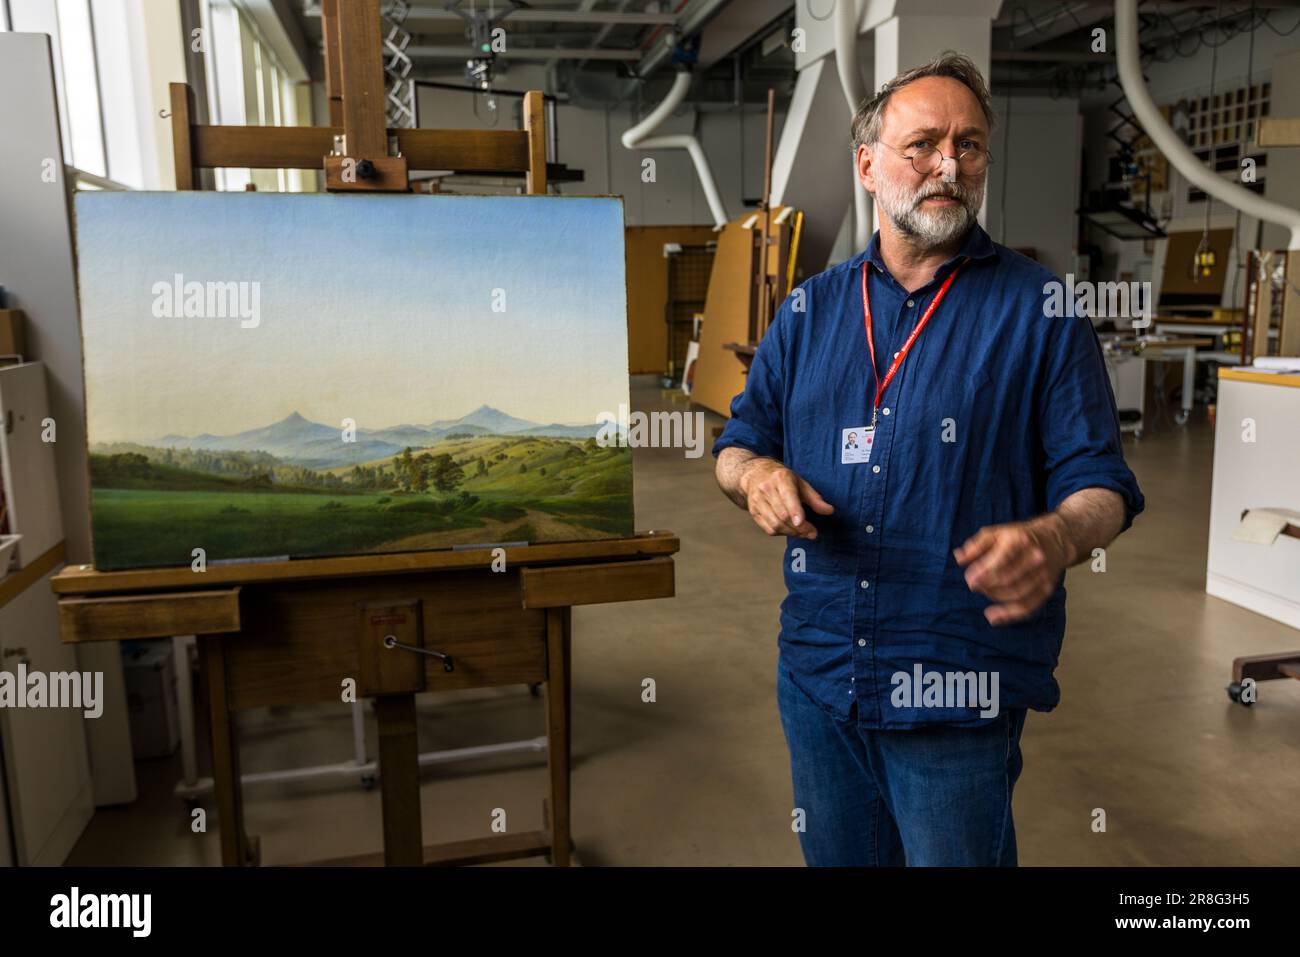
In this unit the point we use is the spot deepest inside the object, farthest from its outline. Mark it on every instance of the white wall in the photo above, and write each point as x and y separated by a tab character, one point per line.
589	140
1036	150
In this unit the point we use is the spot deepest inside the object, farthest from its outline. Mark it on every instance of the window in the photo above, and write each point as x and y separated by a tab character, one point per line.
84	39
81	88
248	85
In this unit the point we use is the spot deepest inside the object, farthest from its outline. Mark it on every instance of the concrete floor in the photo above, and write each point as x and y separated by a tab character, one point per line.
1144	729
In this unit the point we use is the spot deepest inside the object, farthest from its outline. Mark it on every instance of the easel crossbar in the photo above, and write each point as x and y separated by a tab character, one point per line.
301	147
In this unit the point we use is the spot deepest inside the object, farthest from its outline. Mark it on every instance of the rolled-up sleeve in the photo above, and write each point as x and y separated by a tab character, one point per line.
1080	427
756	421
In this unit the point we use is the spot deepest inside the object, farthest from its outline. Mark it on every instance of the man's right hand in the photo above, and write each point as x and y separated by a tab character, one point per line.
775	497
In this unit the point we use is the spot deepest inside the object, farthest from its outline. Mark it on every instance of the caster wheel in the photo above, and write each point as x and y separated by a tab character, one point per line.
1181	417
535	689
368	782
1234	692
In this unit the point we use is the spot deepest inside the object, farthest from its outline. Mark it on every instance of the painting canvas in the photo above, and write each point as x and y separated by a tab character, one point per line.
291	375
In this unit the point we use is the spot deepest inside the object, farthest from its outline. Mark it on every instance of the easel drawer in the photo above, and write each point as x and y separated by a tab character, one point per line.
597	583
163	615
299	643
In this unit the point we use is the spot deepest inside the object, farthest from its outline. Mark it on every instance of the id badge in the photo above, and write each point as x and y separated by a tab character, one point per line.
855	445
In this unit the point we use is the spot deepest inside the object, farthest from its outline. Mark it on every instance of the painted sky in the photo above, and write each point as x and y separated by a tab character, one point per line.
374	308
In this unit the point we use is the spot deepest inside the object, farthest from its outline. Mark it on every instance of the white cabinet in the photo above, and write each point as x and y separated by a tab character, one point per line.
1256	465
47	772
48	796
27	464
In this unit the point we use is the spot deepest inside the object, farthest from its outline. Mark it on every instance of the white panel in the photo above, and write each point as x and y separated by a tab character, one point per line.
27	462
1258	474
45	748
36	250
1040	163
41	16
813	166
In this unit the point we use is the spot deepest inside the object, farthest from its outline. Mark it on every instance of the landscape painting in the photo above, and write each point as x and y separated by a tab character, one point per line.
294	375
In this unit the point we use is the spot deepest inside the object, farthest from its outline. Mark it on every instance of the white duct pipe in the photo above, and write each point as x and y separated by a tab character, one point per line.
1182	158
855	91
636	138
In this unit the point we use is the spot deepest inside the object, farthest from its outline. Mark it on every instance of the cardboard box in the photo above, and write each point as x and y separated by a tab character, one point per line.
12	341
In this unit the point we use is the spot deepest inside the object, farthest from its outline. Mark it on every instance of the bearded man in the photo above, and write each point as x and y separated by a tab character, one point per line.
924	568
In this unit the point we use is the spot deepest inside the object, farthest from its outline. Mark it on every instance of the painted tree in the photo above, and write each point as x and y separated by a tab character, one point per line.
447	473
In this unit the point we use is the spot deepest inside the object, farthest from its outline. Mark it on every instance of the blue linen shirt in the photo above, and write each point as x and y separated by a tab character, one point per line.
998	413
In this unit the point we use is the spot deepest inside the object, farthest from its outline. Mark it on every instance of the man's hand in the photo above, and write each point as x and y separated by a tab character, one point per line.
775	497
1017	565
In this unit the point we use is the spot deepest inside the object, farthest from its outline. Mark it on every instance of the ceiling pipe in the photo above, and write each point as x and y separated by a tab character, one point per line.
855	91
688	26
638	137
1174	149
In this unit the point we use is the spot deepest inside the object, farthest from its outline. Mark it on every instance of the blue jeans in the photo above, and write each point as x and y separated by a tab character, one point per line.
931	796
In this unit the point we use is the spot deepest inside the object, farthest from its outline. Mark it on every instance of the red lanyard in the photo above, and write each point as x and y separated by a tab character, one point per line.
902	353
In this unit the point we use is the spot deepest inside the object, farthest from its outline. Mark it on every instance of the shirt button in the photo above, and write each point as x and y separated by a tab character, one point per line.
861	642
870	529
864	583
895	355
884	411
910	303
875	468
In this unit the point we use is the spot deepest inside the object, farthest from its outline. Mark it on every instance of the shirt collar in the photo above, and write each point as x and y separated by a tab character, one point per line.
976	245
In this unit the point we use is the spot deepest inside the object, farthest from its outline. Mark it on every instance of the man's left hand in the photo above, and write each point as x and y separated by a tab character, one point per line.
1017	565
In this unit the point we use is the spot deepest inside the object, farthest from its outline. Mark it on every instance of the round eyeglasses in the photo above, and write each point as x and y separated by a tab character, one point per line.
925	161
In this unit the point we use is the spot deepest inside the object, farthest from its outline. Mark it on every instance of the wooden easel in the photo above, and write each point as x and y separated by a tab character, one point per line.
292	632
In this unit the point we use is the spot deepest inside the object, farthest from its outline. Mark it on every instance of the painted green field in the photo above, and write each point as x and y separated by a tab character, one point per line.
512	489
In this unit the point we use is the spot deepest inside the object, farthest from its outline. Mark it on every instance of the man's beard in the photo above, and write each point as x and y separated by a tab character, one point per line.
929	227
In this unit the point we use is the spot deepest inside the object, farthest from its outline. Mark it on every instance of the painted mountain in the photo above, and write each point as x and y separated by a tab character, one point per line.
299	442
254	392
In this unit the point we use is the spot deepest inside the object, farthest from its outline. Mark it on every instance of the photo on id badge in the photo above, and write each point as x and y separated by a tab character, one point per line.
855	445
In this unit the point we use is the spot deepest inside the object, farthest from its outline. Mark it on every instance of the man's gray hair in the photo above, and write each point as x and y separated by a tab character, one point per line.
870	116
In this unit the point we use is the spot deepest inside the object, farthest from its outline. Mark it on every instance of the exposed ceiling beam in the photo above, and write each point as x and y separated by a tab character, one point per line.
604	31
423	52
541	15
